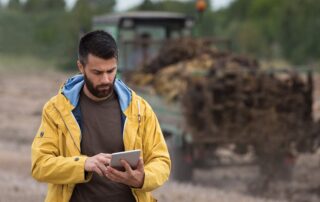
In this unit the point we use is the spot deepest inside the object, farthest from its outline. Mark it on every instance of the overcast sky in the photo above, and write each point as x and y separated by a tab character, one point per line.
126	4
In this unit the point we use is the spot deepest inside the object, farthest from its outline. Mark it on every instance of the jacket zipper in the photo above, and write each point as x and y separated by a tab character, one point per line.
124	126
139	116
139	120
77	125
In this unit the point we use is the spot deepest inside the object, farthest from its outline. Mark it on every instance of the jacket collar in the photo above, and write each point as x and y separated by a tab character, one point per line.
72	87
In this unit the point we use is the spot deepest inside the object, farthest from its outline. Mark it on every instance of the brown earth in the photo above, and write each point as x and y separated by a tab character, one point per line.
22	96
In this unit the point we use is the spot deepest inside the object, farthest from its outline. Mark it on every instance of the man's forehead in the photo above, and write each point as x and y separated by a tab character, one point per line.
101	64
95	58
102	68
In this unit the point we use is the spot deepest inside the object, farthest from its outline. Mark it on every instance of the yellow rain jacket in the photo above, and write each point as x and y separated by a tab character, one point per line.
56	153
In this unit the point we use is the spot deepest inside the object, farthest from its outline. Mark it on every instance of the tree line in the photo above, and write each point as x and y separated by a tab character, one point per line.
263	28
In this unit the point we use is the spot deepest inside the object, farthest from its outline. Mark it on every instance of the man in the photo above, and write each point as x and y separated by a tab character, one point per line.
93	115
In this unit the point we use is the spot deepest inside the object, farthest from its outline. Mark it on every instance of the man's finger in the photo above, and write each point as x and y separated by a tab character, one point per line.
108	162
102	167
140	165
116	173
113	178
106	155
98	171
126	166
102	159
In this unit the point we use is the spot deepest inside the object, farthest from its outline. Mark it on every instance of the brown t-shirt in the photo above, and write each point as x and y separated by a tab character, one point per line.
101	133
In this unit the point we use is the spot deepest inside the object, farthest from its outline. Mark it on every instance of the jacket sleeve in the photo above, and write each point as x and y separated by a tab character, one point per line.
47	163
156	156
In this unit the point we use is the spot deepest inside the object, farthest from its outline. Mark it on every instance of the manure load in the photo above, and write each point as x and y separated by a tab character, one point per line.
228	99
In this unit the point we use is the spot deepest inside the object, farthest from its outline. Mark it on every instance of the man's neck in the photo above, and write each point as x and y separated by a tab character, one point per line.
94	98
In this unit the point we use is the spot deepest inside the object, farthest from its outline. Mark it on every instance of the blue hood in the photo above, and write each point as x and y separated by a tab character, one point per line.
72	87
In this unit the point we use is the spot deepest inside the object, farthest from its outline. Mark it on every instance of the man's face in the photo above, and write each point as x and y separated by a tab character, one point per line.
99	75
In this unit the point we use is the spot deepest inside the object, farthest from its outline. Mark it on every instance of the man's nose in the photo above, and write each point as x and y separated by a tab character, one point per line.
106	78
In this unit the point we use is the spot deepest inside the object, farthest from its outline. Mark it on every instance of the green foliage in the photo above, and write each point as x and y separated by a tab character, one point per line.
187	7
42	35
247	38
147	5
263	27
239	9
102	6
44	5
82	13
299	30
84	10
14	5
44	29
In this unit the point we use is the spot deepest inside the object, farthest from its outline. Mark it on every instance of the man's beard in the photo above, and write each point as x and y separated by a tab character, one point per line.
100	91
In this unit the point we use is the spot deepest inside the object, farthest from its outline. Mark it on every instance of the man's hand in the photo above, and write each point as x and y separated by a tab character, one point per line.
97	163
133	178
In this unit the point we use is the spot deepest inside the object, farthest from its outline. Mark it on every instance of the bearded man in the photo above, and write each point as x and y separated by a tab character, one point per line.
93	115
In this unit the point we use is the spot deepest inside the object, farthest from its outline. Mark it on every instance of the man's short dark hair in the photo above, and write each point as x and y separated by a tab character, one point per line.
98	43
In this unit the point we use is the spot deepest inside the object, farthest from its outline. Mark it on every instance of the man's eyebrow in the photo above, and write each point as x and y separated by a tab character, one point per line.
112	68
98	69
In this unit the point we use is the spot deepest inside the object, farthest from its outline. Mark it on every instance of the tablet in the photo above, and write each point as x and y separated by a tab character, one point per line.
132	157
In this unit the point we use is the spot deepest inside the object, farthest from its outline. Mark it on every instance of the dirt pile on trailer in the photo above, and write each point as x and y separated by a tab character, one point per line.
180	60
270	111
228	98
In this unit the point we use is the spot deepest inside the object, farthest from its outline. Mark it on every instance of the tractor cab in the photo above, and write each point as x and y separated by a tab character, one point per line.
140	35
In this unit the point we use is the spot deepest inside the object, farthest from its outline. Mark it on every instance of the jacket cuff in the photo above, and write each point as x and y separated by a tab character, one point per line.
146	183
85	176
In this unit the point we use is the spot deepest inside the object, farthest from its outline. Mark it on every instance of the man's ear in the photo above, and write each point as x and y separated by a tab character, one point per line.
80	66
